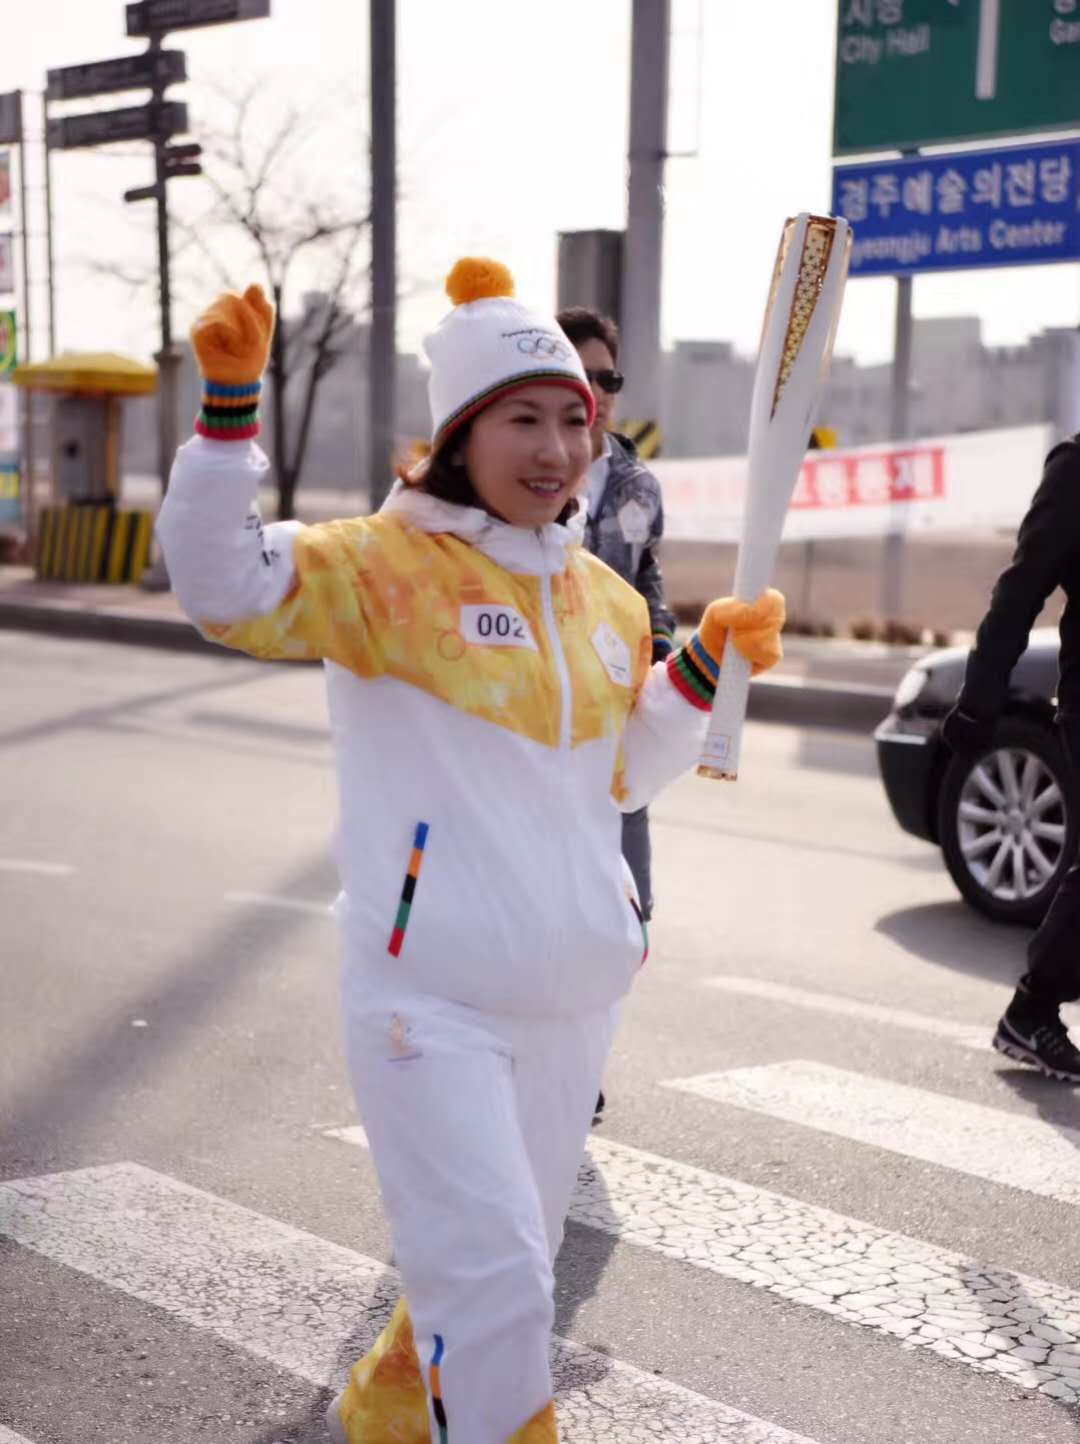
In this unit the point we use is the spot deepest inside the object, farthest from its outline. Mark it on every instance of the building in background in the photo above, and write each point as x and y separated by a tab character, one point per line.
958	385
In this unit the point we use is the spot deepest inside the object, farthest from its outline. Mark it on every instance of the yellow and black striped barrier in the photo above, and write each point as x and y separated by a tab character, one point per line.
645	435
92	544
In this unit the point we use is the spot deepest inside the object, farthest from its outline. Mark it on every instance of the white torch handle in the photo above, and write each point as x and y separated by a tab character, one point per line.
796	343
723	740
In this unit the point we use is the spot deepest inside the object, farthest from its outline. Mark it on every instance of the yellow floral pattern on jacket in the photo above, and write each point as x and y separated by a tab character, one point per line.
380	597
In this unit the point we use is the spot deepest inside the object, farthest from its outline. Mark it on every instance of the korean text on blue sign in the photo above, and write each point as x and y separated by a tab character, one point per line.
1015	207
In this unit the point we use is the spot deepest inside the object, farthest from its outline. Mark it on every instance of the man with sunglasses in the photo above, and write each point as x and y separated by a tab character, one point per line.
623	527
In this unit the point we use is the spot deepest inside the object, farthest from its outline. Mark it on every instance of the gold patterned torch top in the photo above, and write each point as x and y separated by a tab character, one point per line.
813	264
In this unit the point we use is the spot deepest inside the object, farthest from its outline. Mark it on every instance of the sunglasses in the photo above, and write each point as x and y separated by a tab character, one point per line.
609	381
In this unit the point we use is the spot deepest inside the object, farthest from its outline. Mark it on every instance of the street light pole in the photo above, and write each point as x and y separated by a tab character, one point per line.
167	358
382	352
640	354
892	561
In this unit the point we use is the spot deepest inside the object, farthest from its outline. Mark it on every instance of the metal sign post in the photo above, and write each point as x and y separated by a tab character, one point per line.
154	70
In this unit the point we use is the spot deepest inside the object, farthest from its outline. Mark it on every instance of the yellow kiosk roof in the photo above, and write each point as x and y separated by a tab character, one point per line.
90	373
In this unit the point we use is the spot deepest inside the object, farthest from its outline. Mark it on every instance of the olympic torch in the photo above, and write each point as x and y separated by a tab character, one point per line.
797	338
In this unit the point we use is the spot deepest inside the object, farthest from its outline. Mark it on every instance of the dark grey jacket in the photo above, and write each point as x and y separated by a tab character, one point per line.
626	530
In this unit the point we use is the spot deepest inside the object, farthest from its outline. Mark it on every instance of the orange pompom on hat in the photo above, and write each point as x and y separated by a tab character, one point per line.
490	343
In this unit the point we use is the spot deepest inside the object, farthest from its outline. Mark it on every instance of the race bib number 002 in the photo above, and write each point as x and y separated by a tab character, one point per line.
493	626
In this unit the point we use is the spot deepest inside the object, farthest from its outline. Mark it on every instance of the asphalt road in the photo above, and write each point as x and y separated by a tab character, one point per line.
819	1211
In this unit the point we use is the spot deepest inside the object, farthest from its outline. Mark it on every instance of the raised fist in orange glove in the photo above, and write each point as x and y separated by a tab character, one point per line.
231	340
754	628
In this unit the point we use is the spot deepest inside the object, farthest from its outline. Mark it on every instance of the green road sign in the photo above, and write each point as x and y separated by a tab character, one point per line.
926	72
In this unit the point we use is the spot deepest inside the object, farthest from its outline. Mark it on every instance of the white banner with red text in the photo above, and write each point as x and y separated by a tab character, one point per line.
978	480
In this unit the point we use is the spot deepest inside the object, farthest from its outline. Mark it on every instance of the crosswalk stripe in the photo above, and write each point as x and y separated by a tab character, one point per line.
967	1035
287	904
990	1319
25	864
987	1143
8	1436
300	1301
926	1297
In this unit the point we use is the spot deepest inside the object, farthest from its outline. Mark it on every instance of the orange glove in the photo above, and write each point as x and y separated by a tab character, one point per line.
231	340
754	627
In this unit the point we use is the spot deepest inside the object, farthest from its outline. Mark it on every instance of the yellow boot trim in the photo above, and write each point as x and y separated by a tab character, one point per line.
385	1401
540	1429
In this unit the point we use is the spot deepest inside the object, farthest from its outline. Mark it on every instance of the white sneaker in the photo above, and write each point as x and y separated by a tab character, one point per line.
334	1425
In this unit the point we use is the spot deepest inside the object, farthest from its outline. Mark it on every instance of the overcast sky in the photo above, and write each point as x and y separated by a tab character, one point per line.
513	127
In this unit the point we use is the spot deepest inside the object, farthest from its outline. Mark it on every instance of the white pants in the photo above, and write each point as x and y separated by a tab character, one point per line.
477	1125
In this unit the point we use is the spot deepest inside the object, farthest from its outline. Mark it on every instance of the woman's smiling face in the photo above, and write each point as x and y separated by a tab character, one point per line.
528	452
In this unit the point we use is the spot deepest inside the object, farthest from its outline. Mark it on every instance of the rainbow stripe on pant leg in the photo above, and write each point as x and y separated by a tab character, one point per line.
436	1389
401	922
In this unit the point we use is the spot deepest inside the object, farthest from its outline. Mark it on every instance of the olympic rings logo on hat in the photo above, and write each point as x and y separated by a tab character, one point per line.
548	346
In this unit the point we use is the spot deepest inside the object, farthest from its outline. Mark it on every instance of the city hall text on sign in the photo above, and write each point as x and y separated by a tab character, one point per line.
913	73
974	208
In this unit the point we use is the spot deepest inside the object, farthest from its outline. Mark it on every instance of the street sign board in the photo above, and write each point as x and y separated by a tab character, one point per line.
129	72
9	415
7	274
929	72
142	193
148	17
10	508
9	331
103	127
1011	207
11	118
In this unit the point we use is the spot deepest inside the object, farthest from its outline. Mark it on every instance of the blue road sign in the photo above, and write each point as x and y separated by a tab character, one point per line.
1013	207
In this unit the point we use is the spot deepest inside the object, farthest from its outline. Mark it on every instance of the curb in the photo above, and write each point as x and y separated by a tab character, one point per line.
784	699
66	619
794	700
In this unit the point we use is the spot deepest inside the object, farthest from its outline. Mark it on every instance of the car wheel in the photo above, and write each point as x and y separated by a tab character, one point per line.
1007	822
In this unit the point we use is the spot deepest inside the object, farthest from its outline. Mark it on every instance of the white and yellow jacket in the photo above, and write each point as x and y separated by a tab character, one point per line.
493	708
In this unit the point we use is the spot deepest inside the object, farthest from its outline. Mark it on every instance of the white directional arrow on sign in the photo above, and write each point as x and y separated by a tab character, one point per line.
986	60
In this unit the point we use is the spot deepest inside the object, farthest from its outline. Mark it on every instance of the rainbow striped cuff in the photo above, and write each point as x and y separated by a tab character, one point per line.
694	673
662	643
229	413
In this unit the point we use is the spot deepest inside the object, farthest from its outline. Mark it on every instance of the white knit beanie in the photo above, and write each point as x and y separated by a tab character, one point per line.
489	344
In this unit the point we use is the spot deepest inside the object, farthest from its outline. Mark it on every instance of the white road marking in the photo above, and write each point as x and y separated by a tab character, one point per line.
988	1143
353	1134
289	904
966	1034
26	864
985	1317
304	1303
8	1436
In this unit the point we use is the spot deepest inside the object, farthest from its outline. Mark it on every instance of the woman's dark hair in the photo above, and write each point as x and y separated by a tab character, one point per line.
582	323
447	480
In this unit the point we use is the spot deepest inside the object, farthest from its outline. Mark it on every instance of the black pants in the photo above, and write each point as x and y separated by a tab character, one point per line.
1053	974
